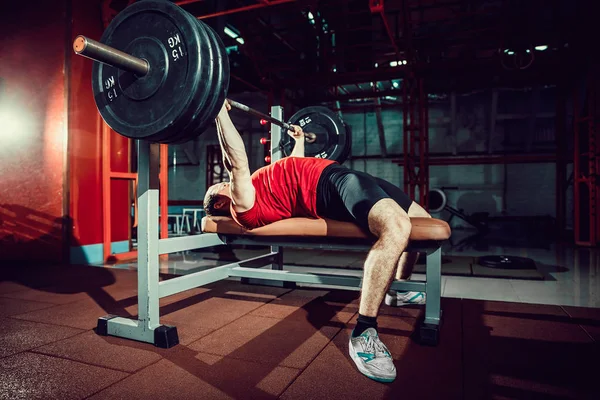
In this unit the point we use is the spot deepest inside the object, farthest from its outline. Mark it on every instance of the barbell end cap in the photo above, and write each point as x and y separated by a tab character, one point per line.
79	44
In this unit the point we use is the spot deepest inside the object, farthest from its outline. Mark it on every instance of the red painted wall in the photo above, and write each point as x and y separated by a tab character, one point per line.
33	129
84	133
38	112
86	143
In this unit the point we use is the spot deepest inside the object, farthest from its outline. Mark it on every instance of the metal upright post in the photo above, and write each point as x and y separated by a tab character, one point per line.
147	327
276	112
148	261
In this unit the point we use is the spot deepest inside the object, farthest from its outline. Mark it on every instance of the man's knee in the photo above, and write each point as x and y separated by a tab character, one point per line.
389	219
416	211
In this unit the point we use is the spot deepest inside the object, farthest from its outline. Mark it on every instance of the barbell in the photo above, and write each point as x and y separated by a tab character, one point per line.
162	75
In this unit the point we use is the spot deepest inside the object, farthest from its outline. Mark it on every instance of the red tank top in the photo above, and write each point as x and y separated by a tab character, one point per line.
285	189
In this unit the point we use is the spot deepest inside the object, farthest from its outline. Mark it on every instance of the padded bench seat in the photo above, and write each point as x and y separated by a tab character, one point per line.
423	229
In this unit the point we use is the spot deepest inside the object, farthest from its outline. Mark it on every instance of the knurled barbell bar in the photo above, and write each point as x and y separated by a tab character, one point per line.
162	75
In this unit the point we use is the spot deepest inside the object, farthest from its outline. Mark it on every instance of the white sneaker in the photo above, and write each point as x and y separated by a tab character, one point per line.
399	299
371	356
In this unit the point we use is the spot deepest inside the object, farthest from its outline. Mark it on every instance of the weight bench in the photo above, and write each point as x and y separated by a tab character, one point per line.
426	237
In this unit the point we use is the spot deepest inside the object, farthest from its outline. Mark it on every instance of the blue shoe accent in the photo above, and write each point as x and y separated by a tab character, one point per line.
366	356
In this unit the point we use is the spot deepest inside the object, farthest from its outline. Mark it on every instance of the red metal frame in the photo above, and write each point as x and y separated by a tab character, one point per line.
377	7
246	8
561	162
416	139
164	190
108	175
585	166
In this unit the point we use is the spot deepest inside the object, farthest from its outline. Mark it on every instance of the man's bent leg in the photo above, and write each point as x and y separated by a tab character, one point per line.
391	225
405	268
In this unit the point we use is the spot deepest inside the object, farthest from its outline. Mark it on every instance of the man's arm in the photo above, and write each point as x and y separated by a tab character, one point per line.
235	161
298	136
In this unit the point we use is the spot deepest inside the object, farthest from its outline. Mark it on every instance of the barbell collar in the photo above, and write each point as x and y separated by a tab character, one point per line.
100	52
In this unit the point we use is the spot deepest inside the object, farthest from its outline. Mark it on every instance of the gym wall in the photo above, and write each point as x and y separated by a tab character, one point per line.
45	98
33	131
523	189
86	152
518	189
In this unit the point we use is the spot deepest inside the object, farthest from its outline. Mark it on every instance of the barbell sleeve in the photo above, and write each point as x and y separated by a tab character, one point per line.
100	52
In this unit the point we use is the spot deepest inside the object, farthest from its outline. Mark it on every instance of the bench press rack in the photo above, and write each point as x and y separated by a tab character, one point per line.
147	327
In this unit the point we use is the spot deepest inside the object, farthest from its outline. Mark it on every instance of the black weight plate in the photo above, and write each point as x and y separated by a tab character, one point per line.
219	85
205	88
348	144
506	262
332	137
158	105
222	87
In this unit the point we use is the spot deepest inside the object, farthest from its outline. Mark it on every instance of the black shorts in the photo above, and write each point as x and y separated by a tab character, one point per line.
347	195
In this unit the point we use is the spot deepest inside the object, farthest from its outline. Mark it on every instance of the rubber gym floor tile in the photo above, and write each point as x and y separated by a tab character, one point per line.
221	288
60	281
47	295
13	306
526	354
17	336
552	324
512	309
116	292
185	376
272	381
110	352
587	318
37	376
199	319
252	291
11	287
237	334
413	311
302	306
268	341
187	333
167	304
214	312
422	371
332	376
83	314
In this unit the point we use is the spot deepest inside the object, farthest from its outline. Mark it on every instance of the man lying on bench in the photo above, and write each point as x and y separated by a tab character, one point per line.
317	188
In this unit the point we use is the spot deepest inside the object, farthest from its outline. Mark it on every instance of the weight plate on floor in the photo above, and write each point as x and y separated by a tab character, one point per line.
333	141
506	262
158	105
